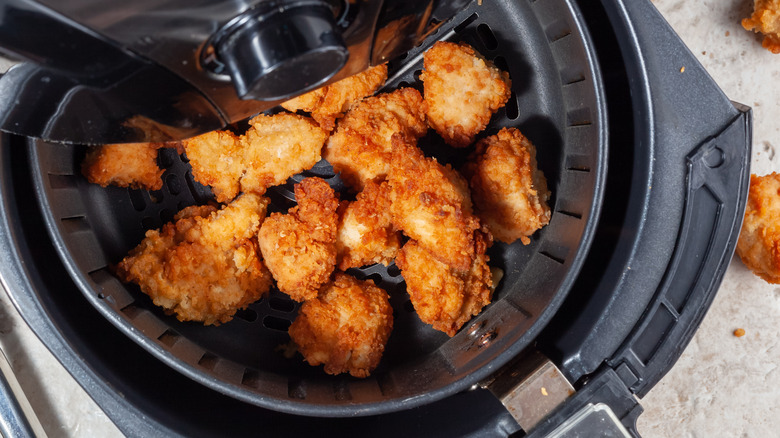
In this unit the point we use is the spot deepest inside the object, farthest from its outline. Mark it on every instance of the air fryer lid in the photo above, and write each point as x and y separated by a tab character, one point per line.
556	102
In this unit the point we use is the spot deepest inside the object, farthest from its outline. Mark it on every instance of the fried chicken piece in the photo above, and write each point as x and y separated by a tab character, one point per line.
272	150
759	241
131	165
345	328
509	192
299	247
431	203
205	265
443	296
328	103
766	19
462	91
361	147
366	235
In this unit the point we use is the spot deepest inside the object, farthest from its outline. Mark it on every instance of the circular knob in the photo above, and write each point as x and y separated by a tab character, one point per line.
282	53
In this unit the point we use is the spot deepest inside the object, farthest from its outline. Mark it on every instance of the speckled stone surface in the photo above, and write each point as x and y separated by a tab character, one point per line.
722	386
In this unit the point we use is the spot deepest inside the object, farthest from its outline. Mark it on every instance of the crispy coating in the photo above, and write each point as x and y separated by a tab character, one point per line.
766	19
361	147
345	328
509	192
462	91
272	150
328	103
443	296
759	241
131	165
431	203
205	265
366	235
299	248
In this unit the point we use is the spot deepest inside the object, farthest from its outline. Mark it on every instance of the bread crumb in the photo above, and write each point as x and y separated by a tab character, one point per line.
682	69
739	332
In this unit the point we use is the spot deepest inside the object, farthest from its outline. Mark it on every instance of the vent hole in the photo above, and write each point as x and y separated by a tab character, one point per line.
393	270
168	338
486	35
62	181
174	184
341	391
166	157
208	361
252	379
137	199
296	389
247	315
276	323
465	23
512	107
281	304
166	215
570	214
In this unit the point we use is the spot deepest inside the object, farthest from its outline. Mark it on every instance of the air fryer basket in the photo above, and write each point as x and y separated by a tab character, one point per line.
557	103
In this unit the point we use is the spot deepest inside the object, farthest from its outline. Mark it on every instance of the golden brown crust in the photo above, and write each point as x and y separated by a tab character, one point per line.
509	192
328	103
272	150
345	328
462	91
299	248
443	296
766	19
366	235
360	149
759	241
431	203
131	165
204	265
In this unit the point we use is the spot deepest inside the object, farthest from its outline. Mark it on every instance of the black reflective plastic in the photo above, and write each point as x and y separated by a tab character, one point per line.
112	72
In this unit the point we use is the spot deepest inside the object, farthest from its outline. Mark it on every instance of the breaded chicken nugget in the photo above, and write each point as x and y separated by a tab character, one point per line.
361	147
759	241
766	19
462	91
217	161
366	235
509	192
345	328
328	103
272	150
299	248
431	203
131	165
443	296
205	265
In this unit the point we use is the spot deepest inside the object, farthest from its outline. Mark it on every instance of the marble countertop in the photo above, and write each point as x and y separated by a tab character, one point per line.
722	385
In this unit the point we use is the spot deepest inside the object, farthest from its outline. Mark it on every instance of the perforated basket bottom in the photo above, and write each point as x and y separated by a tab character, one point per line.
556	103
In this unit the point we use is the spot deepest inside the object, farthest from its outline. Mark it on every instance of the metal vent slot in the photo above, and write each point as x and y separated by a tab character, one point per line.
247	315
58	182
296	389
169	338
552	257
208	361
465	23
487	37
341	390
275	323
570	214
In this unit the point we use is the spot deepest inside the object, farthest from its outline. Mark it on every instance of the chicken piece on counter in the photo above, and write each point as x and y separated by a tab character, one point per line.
759	240
366	235
443	296
131	165
431	203
345	328
766	19
510	194
328	103
360	149
299	247
462	91
205	265
273	149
